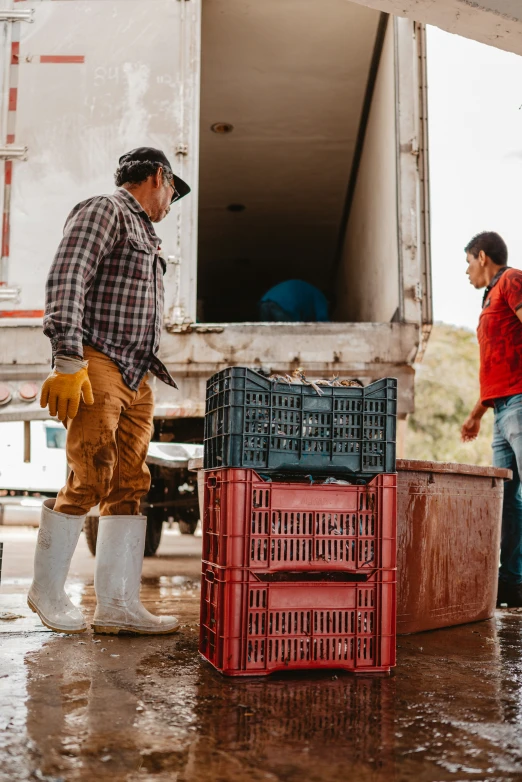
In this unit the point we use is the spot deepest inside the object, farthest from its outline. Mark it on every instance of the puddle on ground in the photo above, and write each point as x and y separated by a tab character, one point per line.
132	708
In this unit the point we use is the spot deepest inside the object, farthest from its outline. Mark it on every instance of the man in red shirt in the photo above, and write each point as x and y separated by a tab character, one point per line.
500	342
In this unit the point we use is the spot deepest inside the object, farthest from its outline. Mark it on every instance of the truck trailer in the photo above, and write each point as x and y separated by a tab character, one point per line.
302	130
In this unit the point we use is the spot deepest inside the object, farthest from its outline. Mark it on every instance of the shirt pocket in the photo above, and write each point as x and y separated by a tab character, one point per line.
138	259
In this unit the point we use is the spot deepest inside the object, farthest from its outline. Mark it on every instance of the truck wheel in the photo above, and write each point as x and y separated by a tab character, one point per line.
90	527
187	527
152	535
154	530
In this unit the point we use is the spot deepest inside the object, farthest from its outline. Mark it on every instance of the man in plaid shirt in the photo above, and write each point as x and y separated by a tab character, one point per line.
104	310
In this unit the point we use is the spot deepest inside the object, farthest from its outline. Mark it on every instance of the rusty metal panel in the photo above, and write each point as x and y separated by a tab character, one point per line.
368	351
448	539
318	346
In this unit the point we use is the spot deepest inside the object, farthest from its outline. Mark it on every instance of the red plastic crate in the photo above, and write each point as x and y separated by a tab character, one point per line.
251	626
273	526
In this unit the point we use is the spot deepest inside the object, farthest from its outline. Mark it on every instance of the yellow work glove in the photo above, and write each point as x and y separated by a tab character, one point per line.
62	391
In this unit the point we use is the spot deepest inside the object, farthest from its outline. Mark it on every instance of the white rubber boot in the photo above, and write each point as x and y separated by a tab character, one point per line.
117	577
57	539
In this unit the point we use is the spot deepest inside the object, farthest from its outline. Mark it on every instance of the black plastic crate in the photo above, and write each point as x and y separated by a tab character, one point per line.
251	421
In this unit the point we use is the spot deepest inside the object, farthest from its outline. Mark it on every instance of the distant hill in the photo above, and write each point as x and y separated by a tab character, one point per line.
446	390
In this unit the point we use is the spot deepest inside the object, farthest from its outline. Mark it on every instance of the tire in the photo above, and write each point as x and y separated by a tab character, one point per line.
187	527
90	527
154	530
152	535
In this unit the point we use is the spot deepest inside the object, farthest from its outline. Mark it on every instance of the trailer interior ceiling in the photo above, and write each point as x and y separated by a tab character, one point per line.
284	84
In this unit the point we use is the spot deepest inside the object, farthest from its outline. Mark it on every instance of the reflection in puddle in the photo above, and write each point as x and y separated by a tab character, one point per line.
96	707
510	649
99	707
320	712
14	749
169	586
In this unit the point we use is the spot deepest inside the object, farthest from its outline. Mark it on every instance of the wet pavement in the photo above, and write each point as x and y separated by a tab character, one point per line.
95	707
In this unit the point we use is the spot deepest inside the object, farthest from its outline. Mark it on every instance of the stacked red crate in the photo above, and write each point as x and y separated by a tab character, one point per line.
298	575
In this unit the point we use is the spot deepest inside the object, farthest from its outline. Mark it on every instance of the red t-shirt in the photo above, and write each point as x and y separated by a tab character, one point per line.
500	337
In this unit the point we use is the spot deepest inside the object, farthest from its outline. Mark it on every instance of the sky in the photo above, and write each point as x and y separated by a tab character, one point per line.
475	126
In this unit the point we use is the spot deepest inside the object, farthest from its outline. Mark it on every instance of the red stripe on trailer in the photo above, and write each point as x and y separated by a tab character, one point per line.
13	98
62	58
21	313
5	235
10	136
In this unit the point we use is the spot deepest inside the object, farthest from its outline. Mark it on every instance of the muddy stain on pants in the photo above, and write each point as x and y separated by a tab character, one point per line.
107	444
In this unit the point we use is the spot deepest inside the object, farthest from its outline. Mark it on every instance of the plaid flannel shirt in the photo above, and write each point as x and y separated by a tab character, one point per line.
105	287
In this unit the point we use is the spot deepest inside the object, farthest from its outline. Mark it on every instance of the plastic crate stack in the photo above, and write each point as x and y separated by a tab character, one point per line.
298	569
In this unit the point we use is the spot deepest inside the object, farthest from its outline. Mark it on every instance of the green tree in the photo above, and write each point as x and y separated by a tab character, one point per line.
446	390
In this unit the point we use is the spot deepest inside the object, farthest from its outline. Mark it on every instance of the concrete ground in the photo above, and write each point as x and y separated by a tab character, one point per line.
87	707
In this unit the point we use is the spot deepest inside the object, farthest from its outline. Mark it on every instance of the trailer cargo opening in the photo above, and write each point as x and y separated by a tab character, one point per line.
298	157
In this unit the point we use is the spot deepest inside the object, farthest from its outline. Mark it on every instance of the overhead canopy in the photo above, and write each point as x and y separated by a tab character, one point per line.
495	22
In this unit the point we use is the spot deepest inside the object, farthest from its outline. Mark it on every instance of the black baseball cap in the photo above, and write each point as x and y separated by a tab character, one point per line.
151	155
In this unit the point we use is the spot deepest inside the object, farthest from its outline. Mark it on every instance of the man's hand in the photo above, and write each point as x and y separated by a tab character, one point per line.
471	426
470	429
63	392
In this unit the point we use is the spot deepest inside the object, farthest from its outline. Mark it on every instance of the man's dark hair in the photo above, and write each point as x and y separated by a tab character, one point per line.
493	246
136	171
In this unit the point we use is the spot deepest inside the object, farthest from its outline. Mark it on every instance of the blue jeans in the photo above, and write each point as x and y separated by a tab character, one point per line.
507	452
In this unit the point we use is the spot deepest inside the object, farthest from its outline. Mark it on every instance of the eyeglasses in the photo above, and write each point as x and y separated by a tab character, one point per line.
175	194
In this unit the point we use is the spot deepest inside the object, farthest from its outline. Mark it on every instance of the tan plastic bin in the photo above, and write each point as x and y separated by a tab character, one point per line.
449	520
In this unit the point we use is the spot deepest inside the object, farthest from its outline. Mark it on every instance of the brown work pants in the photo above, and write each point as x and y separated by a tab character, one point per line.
107	444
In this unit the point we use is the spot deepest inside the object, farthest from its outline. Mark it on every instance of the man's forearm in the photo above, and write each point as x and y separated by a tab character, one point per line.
478	411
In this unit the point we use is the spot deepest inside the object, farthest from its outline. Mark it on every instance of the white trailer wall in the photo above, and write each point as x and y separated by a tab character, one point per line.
92	80
368	280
